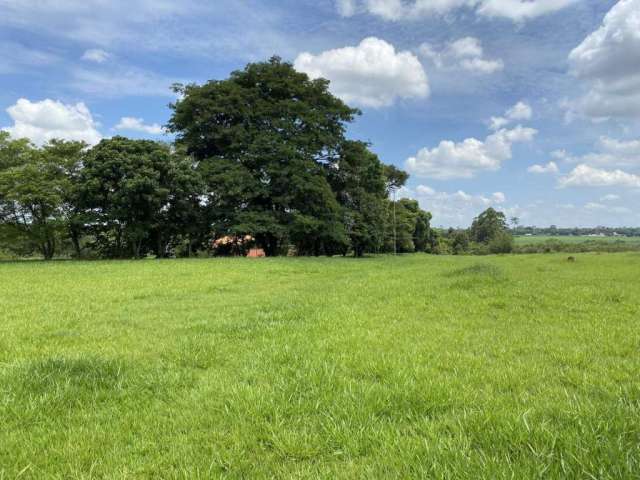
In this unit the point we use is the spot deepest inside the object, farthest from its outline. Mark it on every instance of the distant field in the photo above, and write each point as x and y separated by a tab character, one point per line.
409	367
534	240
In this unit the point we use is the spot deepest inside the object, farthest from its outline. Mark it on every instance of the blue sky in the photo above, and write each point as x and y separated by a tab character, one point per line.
532	106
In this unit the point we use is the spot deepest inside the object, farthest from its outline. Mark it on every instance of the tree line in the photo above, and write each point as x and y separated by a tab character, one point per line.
262	153
261	156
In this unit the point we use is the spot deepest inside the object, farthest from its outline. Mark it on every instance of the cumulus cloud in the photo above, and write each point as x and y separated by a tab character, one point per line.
609	61
95	55
372	74
464	159
50	119
586	176
137	125
465	54
516	10
610	153
520	111
551	167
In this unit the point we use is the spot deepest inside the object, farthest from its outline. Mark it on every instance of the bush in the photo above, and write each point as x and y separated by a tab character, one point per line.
442	247
501	243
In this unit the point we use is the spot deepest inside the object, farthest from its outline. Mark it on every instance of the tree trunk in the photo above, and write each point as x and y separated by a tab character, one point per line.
48	249
75	240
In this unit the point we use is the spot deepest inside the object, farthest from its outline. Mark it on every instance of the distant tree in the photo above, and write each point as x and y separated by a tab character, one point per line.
265	140
138	195
488	225
401	225
36	191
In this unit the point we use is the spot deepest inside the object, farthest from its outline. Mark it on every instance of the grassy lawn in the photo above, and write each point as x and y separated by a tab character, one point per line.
416	366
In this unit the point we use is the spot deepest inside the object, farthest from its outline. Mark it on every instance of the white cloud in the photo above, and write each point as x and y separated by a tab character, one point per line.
49	119
516	10
611	197
586	176
611	153
16	58
498	197
371	74
424	190
598	207
609	61
121	82
550	167
464	159
465	53
138	125
346	8
95	55
248	29
520	10
594	206
619	152
520	111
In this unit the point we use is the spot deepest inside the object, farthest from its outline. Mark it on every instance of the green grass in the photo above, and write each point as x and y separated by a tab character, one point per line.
538	239
410	367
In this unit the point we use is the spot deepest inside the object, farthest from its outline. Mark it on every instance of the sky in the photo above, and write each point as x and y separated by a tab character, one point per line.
529	106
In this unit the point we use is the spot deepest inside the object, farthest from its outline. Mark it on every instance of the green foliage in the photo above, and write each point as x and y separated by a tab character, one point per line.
409	226
394	177
488	225
409	367
423	238
36	191
501	243
139	195
459	242
359	182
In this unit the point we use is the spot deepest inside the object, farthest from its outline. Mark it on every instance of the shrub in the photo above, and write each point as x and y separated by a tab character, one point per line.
501	243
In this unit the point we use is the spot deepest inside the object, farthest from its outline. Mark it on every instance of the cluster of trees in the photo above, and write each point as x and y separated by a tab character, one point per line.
262	153
489	234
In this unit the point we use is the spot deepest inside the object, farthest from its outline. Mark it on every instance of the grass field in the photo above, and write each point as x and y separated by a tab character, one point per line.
411	367
537	239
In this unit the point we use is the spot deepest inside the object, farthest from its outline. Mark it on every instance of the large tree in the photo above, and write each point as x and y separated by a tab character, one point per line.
265	140
138	195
